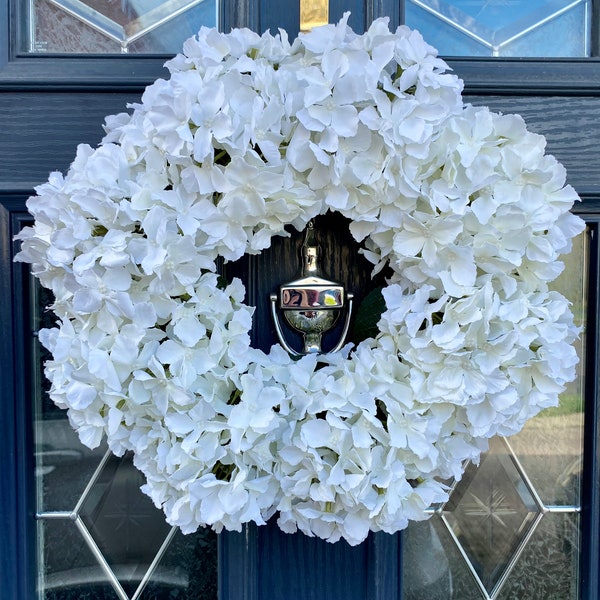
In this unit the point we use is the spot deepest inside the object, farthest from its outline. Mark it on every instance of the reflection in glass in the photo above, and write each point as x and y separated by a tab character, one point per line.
192	559
511	527
116	26
499	28
313	13
431	562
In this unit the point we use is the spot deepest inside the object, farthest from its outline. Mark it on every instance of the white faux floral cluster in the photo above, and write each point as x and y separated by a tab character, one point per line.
250	134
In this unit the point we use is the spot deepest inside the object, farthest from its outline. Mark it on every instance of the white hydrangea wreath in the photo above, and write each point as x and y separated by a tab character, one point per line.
250	134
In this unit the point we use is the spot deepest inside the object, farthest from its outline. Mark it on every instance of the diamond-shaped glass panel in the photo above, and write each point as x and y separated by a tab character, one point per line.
503	27
127	528
491	513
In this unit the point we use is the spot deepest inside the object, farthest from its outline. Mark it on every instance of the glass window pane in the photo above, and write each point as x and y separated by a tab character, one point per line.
511	528
491	513
70	570
550	447
190	560
437	569
546	569
98	535
544	28
115	26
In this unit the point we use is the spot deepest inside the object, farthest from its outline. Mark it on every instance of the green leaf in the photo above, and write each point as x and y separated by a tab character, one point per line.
368	315
223	472
222	282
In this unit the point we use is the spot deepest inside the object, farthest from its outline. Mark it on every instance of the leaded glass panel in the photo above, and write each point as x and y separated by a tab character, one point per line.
114	26
98	536
511	528
542	28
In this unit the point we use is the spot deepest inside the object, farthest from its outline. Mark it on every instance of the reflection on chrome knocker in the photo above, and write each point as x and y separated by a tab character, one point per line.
311	304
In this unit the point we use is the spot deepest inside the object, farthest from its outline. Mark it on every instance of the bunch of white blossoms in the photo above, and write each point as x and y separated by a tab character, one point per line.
251	134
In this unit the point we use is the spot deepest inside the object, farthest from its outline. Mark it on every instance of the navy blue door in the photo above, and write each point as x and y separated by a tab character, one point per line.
51	101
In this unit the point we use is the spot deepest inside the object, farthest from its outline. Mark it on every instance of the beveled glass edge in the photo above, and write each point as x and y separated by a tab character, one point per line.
497	588
75	515
90	17
125	35
543	509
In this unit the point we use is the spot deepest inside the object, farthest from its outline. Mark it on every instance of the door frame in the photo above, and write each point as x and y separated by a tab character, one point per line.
567	89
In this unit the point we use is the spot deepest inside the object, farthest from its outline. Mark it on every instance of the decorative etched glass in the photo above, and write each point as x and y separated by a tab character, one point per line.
115	26
492	513
543	28
511	526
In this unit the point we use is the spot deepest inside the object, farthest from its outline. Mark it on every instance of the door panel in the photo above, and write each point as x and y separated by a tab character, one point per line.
296	567
47	137
571	126
49	133
281	566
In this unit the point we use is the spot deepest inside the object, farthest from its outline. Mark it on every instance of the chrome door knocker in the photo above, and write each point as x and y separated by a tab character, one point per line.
311	304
